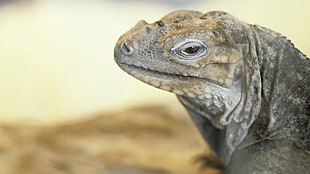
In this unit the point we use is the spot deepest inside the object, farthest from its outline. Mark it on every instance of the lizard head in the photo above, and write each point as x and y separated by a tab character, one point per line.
194	55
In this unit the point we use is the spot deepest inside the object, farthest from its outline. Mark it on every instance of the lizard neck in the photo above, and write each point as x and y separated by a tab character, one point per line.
274	100
285	100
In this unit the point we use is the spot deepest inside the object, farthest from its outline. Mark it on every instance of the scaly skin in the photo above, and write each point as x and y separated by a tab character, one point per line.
245	87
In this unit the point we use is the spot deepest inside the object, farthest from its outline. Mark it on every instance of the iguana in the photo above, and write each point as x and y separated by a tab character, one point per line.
245	87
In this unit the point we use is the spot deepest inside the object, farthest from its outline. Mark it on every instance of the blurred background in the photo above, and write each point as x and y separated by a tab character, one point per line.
58	78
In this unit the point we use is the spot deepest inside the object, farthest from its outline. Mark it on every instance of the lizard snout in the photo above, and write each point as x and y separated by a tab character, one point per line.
128	42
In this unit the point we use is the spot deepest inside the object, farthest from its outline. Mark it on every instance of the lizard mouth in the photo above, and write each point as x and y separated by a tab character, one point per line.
189	86
159	78
144	74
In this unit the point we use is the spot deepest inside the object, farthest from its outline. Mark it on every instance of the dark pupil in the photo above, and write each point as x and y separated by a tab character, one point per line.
191	50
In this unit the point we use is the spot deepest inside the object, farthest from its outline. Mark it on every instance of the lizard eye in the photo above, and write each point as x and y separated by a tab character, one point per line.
190	49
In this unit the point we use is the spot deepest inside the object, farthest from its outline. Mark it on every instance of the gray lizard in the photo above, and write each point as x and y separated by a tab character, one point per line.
245	87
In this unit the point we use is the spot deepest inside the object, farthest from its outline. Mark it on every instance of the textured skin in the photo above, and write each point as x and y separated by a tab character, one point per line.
245	87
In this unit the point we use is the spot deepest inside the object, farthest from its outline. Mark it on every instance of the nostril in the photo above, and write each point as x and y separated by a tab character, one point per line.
127	48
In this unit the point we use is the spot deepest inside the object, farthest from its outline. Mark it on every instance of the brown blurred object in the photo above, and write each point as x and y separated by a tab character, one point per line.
141	140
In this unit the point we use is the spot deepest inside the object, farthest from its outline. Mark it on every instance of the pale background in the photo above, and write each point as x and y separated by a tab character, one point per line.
56	56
